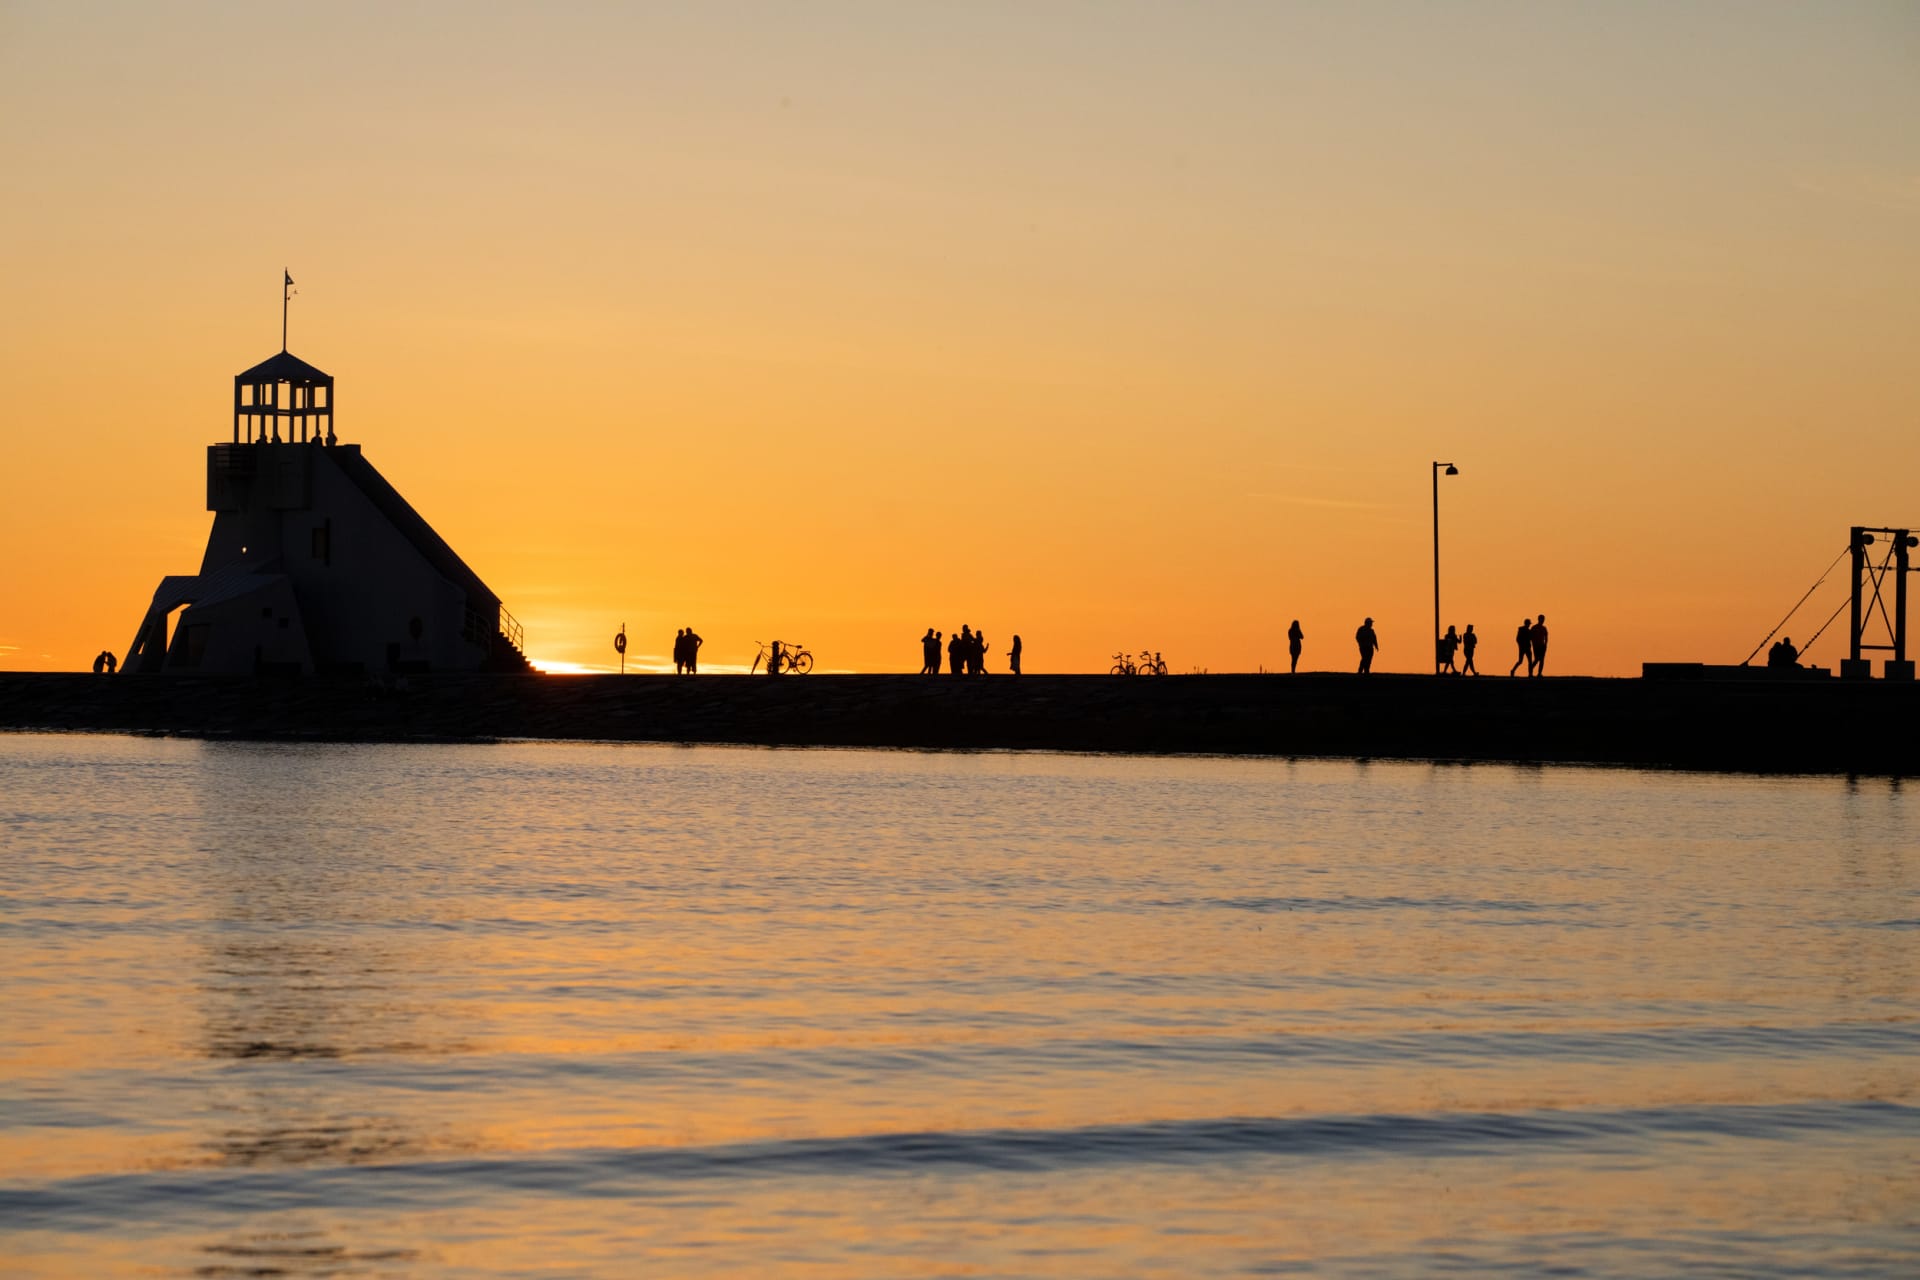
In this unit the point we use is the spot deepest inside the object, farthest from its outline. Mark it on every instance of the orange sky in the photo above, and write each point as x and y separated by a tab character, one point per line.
1112	325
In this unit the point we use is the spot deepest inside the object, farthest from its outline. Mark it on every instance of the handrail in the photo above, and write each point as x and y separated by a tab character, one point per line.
478	631
510	628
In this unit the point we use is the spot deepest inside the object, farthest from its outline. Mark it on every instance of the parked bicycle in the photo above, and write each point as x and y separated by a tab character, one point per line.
1122	665
1152	664
794	659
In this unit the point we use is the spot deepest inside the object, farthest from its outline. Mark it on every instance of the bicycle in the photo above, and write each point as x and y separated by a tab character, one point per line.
794	658
1122	666
1152	664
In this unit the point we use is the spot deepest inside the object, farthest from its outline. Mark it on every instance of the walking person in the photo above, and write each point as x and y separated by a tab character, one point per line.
1013	655
978	665
1468	643
1448	643
1523	638
1368	642
693	651
1294	637
1539	665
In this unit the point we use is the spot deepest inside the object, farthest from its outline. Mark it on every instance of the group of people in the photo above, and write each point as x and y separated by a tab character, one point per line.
966	653
1783	656
686	652
1531	640
104	663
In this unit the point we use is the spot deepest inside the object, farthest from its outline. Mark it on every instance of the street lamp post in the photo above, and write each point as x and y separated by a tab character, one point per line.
1452	471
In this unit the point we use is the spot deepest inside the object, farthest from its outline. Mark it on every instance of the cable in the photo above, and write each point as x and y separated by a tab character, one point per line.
1823	626
1796	607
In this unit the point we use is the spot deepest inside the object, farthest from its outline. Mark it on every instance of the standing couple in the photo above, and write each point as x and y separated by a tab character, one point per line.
686	652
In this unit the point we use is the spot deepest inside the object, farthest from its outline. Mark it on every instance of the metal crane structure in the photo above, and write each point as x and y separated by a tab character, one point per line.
1869	598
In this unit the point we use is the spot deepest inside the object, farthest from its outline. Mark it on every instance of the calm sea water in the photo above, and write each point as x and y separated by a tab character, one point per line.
558	1010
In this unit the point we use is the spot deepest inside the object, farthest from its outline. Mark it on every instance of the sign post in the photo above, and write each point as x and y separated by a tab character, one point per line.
620	647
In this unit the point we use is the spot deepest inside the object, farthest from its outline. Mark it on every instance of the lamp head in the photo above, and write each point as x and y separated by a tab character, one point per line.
1452	470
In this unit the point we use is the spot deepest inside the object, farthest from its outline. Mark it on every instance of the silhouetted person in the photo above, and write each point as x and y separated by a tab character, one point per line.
1448	643
1468	643
100	661
957	647
679	652
1540	646
1013	655
1294	636
774	659
1524	638
1783	656
693	651
929	652
1368	642
977	656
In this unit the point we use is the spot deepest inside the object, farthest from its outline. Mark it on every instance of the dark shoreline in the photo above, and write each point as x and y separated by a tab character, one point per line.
1744	725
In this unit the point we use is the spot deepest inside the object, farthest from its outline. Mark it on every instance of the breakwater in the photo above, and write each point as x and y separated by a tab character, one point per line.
1794	726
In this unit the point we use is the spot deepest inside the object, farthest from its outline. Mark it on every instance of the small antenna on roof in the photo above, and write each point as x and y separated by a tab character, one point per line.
286	294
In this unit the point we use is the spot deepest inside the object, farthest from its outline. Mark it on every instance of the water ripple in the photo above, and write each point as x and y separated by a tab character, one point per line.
74	1204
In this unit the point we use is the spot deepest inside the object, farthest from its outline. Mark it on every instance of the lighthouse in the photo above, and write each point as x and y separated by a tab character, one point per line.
315	563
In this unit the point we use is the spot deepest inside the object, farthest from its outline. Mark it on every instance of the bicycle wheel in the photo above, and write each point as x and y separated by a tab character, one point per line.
800	663
1119	669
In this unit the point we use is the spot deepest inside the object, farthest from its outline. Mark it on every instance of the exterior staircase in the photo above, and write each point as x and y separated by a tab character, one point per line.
507	654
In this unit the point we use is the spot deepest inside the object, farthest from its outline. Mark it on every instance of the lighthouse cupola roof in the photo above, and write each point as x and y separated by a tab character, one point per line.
283	398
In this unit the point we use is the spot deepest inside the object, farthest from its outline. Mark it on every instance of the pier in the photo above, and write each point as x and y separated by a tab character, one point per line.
1768	725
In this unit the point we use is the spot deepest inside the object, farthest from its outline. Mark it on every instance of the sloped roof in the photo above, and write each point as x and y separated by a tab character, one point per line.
283	368
425	539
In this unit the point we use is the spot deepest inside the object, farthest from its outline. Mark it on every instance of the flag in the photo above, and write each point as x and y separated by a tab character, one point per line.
289	276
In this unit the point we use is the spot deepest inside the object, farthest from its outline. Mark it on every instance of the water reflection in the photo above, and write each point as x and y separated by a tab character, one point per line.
279	1253
293	978
293	864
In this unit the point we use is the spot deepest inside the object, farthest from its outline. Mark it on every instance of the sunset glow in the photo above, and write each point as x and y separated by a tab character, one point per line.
1116	329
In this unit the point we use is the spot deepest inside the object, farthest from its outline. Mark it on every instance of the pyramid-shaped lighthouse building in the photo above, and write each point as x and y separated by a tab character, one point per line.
315	562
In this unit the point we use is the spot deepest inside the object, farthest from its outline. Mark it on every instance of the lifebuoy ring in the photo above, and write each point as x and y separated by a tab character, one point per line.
620	642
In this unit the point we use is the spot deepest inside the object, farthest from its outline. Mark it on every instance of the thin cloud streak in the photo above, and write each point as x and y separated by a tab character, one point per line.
1349	504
